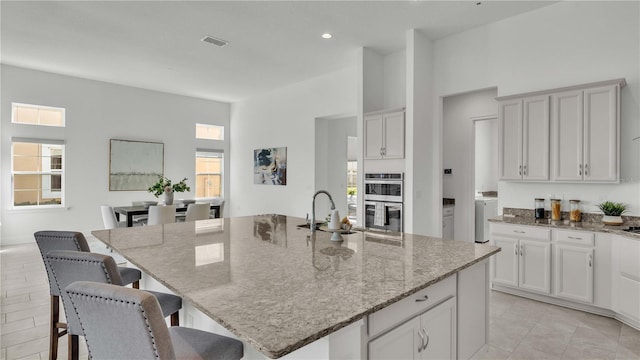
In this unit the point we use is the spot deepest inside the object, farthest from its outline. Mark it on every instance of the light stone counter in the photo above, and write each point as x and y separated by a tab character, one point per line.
278	288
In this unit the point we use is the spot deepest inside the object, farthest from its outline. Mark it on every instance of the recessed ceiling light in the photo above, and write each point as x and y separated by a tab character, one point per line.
214	41
327	36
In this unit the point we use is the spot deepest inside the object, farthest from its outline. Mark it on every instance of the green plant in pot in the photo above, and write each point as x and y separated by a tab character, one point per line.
612	212
164	186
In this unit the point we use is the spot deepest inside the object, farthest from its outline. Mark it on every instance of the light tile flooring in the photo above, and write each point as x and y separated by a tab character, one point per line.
520	328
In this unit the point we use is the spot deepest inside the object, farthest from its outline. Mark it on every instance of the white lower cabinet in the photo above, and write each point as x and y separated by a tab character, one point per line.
525	259
573	270
431	335
626	278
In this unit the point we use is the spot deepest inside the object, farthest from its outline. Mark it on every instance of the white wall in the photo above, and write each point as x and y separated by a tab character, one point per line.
285	117
96	112
395	70
458	154
568	43
486	155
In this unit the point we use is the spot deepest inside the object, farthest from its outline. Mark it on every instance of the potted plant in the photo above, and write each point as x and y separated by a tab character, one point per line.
612	212
164	186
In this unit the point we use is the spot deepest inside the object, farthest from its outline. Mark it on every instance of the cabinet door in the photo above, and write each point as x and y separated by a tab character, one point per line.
393	144
535	266
373	136
504	265
402	342
573	272
535	138
439	331
626	277
566	135
601	134
510	140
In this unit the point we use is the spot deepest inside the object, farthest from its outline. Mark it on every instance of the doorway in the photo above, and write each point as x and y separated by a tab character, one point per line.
485	174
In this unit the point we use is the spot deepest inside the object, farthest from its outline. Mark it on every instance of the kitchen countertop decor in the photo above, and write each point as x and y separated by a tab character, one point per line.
591	222
277	286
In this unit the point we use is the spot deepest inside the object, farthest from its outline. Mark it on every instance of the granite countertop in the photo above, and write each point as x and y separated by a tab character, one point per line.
279	288
566	224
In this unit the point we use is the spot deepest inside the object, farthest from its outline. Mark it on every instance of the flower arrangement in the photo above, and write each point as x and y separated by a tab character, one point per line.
164	185
611	208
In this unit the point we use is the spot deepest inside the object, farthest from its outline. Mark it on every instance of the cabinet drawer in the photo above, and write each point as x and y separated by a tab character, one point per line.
518	231
574	237
414	304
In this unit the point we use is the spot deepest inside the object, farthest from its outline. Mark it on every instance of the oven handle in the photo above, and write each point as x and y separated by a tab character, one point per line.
396	182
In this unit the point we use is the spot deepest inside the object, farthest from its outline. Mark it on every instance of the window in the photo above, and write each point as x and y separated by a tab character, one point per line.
37	170
37	115
209	169
209	132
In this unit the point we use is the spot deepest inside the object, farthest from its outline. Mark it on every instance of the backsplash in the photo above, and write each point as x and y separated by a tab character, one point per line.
586	217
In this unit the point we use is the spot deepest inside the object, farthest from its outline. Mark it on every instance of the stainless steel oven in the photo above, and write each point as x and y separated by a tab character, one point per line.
383	201
383	187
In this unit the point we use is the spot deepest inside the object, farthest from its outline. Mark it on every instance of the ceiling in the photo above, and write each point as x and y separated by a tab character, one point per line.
156	44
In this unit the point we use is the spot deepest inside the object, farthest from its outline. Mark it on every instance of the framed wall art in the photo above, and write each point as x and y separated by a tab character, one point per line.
270	166
134	165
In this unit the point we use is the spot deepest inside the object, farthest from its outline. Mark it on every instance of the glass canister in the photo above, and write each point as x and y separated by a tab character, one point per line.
556	214
574	213
539	208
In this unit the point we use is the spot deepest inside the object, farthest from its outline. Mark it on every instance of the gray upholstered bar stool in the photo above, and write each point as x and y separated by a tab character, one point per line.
68	240
69	266
124	323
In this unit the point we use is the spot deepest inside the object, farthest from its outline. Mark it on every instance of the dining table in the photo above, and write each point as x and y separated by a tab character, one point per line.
136	210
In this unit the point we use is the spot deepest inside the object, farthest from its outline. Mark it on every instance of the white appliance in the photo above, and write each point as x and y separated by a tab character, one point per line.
383	201
447	222
485	209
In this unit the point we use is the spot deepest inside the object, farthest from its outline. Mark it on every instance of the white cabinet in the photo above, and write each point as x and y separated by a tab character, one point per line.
626	278
447	222
523	137
431	335
573	265
384	135
585	134
525	259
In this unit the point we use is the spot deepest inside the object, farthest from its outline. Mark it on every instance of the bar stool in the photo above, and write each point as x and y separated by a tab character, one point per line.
124	323
69	266
68	240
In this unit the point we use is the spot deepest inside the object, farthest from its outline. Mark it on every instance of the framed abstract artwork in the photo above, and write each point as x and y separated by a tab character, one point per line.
134	165
270	166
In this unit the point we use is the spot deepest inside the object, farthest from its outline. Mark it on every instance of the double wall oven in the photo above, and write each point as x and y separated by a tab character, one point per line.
383	197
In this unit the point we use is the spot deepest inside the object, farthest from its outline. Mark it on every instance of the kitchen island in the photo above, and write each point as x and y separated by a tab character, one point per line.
279	288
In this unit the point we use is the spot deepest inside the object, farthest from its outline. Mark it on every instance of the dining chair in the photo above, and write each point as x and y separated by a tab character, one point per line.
109	217
50	240
197	212
70	266
161	214
124	323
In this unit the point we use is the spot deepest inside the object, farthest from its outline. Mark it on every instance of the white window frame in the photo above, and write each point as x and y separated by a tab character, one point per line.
220	154
15	105
47	164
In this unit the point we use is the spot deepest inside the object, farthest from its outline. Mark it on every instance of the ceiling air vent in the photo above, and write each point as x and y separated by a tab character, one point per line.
215	41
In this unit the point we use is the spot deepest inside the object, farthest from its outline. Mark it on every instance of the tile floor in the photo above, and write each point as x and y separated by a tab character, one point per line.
520	328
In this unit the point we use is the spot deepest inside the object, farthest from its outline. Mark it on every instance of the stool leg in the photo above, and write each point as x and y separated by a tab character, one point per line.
53	329
136	284
175	319
73	347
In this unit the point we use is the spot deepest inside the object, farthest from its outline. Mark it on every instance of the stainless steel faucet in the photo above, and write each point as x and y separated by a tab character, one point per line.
312	226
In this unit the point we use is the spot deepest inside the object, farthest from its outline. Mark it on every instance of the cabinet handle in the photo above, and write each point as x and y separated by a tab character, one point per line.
580	169
524	170
427	335
586	169
521	250
520	170
380	151
575	238
425	298
519	232
421	346
590	259
516	250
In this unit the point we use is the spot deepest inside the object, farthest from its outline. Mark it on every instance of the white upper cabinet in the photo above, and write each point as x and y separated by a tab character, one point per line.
524	139
384	135
564	135
585	133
